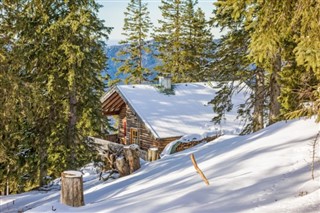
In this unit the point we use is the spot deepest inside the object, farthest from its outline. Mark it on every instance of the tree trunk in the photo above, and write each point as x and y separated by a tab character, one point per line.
153	154
42	172
72	188
122	166
132	156
7	187
7	181
43	162
140	45
275	91
259	101
71	140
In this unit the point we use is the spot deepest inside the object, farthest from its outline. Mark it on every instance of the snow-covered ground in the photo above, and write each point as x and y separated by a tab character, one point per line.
268	171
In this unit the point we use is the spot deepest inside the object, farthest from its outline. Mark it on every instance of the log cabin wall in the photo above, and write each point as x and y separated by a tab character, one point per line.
146	139
122	116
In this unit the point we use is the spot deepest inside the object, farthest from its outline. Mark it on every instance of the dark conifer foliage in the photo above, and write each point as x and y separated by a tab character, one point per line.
198	43
286	78
184	41
136	27
52	53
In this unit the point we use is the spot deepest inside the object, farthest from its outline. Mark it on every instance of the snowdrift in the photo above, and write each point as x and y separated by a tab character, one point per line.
268	171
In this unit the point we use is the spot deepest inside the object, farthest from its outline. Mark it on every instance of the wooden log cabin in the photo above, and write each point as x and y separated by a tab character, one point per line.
150	116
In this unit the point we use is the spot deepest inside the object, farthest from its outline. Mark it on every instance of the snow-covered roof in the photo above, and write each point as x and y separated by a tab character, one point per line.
186	111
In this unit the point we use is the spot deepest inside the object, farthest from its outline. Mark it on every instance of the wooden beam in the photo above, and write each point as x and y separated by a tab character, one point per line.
117	105
111	100
107	113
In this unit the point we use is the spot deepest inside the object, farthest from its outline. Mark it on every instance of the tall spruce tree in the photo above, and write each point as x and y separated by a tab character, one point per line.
184	41
169	40
301	57
14	109
226	16
232	65
280	41
136	27
54	58
198	42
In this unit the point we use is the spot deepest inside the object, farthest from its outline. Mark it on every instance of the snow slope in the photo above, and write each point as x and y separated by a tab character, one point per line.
268	171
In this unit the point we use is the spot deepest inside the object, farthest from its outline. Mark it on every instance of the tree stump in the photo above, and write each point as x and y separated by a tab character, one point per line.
153	154
122	166
72	188
132	156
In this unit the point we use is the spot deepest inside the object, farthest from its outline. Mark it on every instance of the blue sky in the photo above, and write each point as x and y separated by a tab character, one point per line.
112	12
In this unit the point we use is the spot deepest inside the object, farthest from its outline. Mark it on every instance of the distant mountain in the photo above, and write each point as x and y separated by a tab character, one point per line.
149	60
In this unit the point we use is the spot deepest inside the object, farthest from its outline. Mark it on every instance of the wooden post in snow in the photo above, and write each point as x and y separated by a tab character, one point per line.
153	154
72	188
132	156
198	169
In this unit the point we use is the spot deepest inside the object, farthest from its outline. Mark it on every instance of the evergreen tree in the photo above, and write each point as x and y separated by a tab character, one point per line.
136	27
232	65
283	40
184	41
13	107
198	42
169	40
301	44
55	59
225	16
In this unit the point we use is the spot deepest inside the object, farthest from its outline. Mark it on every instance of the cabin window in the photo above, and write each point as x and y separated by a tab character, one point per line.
134	136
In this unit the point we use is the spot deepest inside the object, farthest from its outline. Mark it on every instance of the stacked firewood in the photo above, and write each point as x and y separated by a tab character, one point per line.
119	158
183	146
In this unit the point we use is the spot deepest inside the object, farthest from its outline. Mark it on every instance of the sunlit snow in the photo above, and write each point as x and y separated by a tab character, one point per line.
268	171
